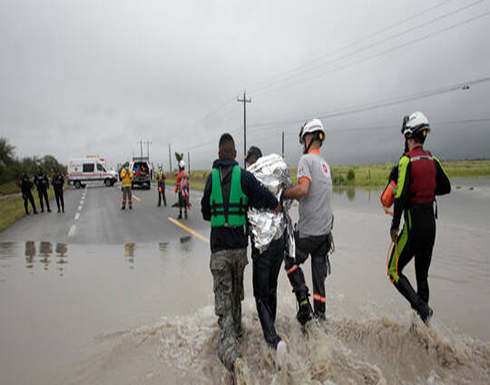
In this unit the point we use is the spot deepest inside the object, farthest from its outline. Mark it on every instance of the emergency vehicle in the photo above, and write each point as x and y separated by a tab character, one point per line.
90	169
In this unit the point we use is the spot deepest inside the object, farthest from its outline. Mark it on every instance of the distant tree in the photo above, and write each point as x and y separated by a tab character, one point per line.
49	164
351	175
6	152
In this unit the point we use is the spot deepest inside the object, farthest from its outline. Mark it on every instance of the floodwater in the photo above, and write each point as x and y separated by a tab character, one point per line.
143	313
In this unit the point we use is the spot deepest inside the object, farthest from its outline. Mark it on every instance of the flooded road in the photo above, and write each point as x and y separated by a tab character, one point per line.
141	311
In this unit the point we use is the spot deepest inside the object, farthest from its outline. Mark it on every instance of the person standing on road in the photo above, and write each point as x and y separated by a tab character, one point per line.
42	184
26	186
228	193
161	176
58	183
420	178
182	189
265	271
313	232
126	181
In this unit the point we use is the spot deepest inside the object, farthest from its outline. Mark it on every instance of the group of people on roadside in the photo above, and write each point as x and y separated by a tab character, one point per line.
181	188
229	193
42	183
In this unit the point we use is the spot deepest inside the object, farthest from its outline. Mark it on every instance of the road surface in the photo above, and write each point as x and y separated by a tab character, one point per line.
93	215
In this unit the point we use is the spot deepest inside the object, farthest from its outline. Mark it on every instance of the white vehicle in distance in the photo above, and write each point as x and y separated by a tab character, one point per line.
83	170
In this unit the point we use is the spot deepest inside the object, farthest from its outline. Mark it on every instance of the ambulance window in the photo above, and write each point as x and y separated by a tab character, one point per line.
99	167
88	167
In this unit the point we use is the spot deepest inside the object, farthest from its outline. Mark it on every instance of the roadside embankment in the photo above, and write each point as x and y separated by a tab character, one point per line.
12	207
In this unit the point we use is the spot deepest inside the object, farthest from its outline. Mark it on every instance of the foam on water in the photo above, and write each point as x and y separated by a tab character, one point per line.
369	349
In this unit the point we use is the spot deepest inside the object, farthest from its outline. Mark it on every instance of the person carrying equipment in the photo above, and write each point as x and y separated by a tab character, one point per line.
313	233
420	178
161	176
26	188
126	179
266	266
58	182
182	189
42	183
228	193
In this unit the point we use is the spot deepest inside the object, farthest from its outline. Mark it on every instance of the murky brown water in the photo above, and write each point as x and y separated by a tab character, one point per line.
142	313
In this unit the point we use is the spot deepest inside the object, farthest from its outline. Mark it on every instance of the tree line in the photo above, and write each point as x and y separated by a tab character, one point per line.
12	168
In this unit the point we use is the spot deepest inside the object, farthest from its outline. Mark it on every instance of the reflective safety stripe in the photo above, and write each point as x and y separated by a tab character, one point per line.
420	157
318	297
294	267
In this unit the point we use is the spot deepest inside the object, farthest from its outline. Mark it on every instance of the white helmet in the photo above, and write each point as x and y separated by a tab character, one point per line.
182	164
415	123
312	127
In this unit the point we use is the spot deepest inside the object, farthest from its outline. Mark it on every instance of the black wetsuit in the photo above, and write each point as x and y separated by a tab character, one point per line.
42	184
58	182
420	178
26	187
266	268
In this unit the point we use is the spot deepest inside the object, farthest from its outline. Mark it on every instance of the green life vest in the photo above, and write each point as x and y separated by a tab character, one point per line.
234	214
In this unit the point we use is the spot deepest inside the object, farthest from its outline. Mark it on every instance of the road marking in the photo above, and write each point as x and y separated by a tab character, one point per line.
197	235
73	228
77	215
79	207
135	197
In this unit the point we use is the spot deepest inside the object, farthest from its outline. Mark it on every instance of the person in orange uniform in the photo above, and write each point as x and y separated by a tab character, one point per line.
182	188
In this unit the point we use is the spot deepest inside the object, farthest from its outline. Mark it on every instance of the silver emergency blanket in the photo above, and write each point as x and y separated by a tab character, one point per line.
267	225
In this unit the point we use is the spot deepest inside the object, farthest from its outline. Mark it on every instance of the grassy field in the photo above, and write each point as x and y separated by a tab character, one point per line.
366	175
12	207
9	188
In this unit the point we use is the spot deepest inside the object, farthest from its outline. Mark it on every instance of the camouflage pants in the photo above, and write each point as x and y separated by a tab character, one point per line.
227	267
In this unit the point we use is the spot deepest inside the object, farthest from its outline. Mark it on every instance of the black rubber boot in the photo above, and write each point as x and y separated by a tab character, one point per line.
425	312
305	311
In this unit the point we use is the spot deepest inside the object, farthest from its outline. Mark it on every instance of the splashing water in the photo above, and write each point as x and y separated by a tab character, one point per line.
366	350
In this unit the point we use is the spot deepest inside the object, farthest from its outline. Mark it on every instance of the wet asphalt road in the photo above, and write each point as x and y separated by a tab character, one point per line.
93	215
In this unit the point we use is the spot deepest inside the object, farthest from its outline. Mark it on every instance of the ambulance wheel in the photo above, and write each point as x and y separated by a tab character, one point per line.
107	182
77	184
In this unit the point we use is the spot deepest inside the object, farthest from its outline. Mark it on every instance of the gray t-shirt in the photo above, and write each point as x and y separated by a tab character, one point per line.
315	210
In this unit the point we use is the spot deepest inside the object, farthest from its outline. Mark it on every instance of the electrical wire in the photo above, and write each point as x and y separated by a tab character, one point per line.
376	55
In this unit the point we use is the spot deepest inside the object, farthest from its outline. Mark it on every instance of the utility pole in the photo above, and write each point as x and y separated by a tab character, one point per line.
148	148
170	157
189	162
141	147
282	152
244	101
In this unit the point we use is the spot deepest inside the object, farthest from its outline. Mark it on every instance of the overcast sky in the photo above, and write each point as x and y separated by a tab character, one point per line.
97	76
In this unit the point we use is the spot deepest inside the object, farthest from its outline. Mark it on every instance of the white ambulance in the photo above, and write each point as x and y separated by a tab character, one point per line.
91	169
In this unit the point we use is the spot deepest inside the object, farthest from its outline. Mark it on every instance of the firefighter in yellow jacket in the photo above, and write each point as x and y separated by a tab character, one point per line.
126	178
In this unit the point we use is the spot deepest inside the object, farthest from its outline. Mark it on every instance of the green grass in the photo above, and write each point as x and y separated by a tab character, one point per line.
9	188
12	208
366	175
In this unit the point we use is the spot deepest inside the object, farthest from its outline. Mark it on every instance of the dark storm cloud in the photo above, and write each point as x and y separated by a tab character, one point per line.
88	77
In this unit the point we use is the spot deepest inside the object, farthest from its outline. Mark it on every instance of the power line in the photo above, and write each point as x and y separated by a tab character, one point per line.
375	105
357	42
373	56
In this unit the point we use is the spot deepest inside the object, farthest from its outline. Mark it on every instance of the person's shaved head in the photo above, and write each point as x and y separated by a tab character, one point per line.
227	147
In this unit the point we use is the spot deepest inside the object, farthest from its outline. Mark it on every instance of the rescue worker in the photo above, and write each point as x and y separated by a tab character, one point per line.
42	184
420	178
265	271
228	193
313	231
58	183
126	181
161	176
182	189
26	188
